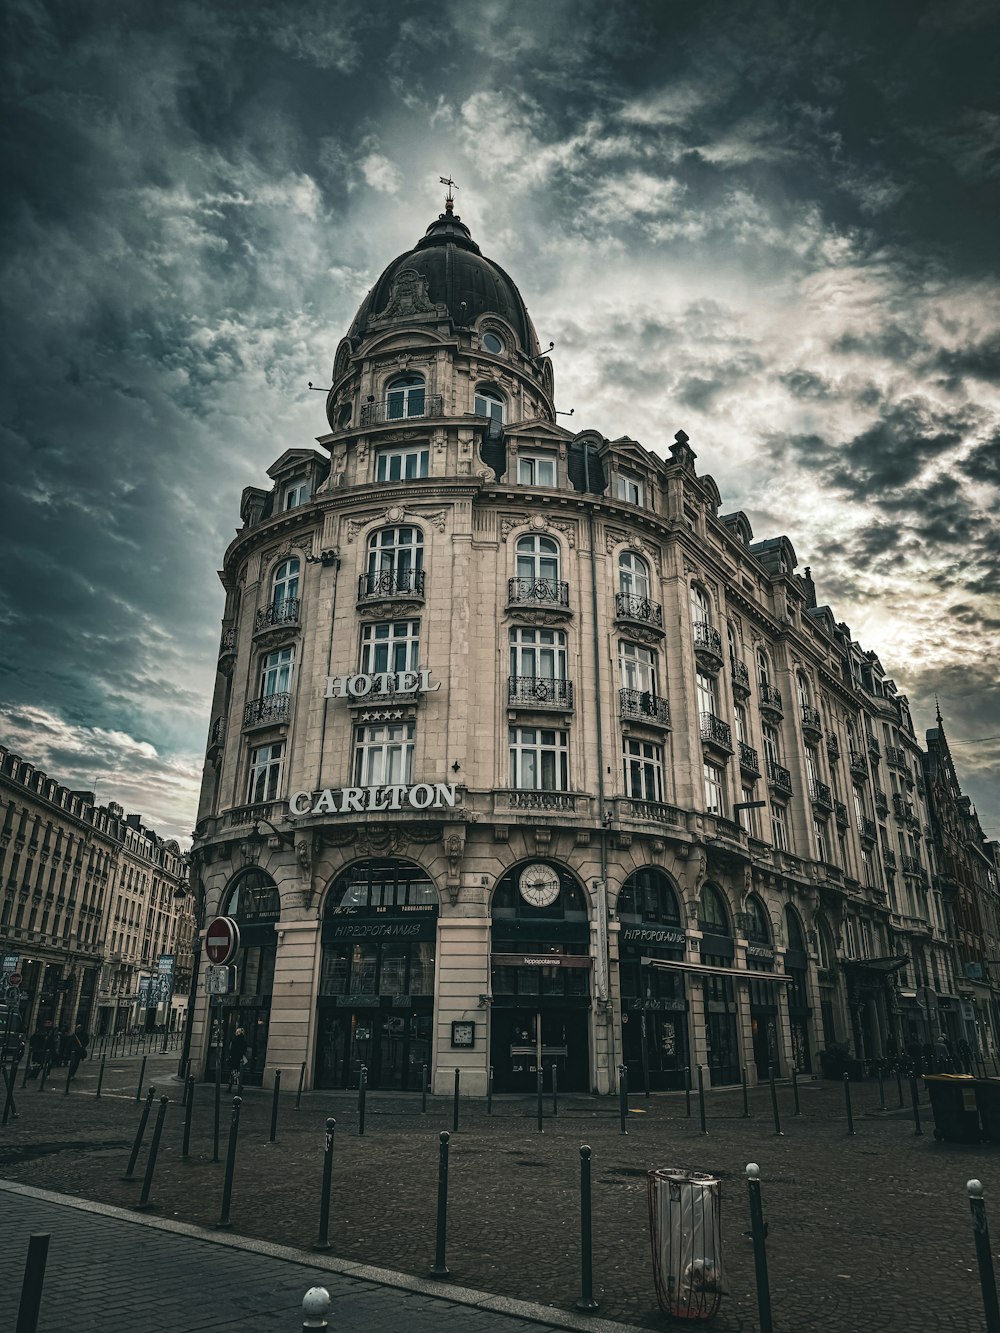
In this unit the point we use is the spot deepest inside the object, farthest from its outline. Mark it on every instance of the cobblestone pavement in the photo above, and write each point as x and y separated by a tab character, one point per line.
865	1232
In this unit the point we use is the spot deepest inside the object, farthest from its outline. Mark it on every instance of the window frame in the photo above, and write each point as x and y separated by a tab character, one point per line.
285	581
532	462
633	575
644	766
265	772
635	672
713	777
383	754
409	385
282	670
370	645
401	453
297	492
520	748
537	558
377	550
525	651
627	483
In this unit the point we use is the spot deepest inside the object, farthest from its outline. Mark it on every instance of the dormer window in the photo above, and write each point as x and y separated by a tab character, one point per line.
536	470
629	487
404	397
488	403
297	492
492	344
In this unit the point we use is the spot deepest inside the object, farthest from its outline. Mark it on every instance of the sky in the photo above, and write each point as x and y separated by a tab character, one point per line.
771	225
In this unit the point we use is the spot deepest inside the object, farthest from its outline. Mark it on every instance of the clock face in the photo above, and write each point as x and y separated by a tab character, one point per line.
539	885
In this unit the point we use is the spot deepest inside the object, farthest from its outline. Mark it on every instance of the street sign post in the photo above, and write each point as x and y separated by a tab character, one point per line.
222	940
220	979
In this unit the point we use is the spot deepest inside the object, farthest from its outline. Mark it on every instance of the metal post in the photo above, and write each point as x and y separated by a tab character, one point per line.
154	1148
701	1098
142	1077
274	1104
439	1268
984	1256
27	1067
10	1078
143	1119
362	1098
774	1101
224	1221
623	1097
423	1089
915	1099
759	1249
687	1091
899	1083
555	1090
188	1113
30	1304
795	1090
539	1090
323	1239
586	1301
489	1091
847	1099
315	1304
216	1123
881	1089
69	1078
44	1073
746	1095
302	1079
645	1052
454	1112
100	1076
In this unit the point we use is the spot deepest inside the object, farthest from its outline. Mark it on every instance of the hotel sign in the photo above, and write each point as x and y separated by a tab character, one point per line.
383	683
361	800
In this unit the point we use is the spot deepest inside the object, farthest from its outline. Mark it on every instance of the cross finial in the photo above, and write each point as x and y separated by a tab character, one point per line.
449	203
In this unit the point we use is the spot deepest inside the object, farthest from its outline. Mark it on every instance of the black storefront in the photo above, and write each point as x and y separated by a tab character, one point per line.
718	951
763	994
252	900
654	1004
799	1012
540	969
376	992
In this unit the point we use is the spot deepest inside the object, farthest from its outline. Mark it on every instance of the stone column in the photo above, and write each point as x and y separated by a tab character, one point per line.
292	1027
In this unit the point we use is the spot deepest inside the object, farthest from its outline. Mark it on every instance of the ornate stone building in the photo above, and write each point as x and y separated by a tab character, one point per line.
521	749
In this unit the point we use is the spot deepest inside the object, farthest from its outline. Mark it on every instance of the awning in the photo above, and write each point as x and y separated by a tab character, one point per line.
703	969
883	966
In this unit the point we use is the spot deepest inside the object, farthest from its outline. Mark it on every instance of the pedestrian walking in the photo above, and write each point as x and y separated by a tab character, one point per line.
965	1056
942	1055
77	1048
237	1059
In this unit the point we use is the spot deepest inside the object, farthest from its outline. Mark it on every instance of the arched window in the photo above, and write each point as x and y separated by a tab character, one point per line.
404	397
793	927
537	558
827	948
285	584
802	686
252	898
488	403
647	896
700	608
512	901
758	925
370	888
713	917
633	575
763	667
395	562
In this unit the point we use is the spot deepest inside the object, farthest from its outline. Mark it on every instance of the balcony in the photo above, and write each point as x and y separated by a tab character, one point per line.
554	801
840	812
832	746
812	725
707	646
644	706
770	701
267	711
539	692
638	610
716	733
881	803
895	757
859	768
888	858
910	865
779	778
867	829
651	811
873	746
741	678
277	615
902	809
227	648
390	583
820	794
538	592
217	736
749	762
377	414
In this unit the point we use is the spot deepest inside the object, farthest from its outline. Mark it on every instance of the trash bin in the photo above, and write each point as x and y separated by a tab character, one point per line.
685	1231
953	1101
988	1103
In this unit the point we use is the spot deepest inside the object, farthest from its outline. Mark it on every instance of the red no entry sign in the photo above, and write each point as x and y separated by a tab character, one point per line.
222	939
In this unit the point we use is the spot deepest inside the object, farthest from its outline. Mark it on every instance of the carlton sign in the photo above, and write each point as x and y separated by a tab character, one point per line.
344	800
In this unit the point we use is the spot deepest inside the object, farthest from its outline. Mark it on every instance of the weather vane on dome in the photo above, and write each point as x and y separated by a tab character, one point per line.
449	203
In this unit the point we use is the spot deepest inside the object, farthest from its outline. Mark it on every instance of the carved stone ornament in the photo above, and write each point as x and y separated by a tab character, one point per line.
454	846
407	295
438	518
282	552
381	842
487	476
522	615
354	525
339	837
538	523
394	514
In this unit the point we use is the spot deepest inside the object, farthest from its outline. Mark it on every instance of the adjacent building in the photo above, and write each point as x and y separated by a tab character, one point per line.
523	750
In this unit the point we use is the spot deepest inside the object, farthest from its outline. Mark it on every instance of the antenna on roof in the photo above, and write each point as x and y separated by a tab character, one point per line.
449	202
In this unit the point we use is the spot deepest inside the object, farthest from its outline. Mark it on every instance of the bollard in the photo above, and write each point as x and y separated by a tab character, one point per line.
30	1304
224	1222
43	1074
362	1098
27	1067
302	1079
746	1096
218	1104
795	1090
9	1078
774	1102
586	1301
154	1148
142	1075
315	1304
881	1090
274	1104
143	1119
899	1083
555	1091
539	1090
687	1091
489	1091
323	1239
758	1232
423	1089
69	1079
188	1113
701	1098
984	1256
100	1076
623	1097
454	1113
915	1098
847	1099
440	1269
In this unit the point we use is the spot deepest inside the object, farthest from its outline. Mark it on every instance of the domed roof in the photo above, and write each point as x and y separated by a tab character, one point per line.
445	268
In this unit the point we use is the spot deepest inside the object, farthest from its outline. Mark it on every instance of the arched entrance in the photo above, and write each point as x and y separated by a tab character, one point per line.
376	986
654	1006
799	1012
718	950
763	994
252	900
540	969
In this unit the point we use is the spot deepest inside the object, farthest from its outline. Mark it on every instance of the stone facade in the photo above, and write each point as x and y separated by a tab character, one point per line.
520	748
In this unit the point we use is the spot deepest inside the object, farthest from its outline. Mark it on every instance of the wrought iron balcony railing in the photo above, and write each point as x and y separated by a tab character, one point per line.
811	721
881	802
539	692
644	706
630	607
833	746
227	644
840	812
858	766
740	675
707	641
867	829
779	777
820	794
716	732
391	583
874	749
902	808
770	698
895	756
217	735
266	710
888	858
283	612
910	865
392	409
537	592
749	761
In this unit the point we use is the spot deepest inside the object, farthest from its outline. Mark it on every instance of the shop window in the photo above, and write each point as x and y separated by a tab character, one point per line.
647	897
713	915
251	897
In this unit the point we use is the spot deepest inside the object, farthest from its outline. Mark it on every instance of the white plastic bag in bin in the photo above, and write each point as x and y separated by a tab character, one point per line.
685	1229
